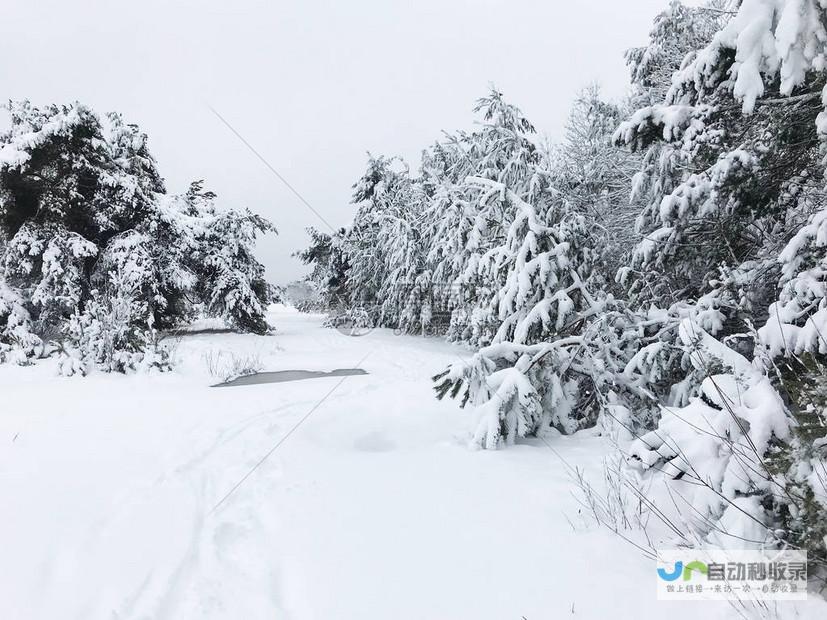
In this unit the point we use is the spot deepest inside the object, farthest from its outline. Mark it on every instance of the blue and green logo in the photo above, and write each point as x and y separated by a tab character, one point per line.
683	570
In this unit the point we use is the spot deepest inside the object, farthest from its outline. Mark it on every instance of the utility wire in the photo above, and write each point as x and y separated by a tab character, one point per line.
273	170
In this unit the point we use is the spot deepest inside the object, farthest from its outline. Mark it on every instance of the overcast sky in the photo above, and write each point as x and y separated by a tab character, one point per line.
312	85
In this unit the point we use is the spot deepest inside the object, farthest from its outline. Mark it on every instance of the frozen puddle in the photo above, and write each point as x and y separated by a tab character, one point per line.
280	376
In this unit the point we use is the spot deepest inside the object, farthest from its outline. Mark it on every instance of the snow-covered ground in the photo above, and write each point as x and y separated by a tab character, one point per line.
374	508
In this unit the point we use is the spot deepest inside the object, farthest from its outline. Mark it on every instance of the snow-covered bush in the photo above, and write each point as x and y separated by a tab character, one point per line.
18	343
108	335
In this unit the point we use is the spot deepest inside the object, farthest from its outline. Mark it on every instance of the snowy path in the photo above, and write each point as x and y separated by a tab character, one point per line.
373	508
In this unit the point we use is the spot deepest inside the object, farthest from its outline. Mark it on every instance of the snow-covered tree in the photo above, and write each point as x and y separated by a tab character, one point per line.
384	245
469	219
678	32
96	255
18	342
535	282
329	267
595	176
733	177
229	278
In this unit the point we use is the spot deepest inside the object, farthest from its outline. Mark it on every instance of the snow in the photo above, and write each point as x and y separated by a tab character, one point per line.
768	36
672	118
374	507
22	138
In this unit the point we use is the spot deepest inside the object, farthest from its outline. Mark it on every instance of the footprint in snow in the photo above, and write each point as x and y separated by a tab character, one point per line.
374	442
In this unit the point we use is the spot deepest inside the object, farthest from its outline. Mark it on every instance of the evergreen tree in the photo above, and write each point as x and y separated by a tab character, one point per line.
329	267
734	175
96	255
471	221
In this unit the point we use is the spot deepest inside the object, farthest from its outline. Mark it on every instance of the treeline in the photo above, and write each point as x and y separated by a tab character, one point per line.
661	273
96	257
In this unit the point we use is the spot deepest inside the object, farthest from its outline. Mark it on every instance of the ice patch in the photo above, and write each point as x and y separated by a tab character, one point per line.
281	376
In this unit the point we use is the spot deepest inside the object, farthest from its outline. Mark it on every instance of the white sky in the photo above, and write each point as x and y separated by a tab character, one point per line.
312	85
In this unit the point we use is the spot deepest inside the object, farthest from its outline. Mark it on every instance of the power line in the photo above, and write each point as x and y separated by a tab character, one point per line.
273	170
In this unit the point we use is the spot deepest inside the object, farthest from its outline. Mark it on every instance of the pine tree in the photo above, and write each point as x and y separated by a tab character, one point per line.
329	267
471	221
383	244
96	255
733	175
